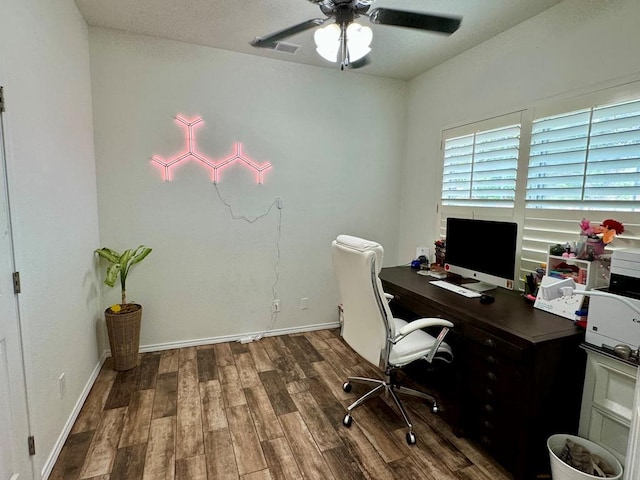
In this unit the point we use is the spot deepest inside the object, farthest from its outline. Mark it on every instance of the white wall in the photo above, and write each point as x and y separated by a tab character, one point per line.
568	48
335	140
44	67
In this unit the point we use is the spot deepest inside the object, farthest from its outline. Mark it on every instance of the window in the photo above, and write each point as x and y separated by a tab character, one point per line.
586	160
480	168
549	167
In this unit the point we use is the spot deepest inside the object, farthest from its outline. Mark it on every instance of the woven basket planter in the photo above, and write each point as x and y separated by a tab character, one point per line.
124	337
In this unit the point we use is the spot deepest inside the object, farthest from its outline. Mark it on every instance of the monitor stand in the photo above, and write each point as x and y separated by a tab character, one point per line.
479	286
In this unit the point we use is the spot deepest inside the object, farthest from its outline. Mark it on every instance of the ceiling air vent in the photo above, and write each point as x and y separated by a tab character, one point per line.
285	47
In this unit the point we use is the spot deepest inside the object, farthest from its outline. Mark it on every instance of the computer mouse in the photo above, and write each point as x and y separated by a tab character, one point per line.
486	299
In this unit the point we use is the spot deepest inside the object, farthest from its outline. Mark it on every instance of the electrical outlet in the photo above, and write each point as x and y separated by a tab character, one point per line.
304	303
62	385
422	251
275	308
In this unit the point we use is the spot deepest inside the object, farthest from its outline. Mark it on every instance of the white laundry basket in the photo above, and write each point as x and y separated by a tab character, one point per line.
562	471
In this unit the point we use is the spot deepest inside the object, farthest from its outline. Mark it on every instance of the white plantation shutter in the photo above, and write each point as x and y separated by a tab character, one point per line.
480	168
584	163
586	160
579	158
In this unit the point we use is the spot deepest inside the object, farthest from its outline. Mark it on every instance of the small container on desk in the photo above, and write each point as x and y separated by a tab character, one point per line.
591	274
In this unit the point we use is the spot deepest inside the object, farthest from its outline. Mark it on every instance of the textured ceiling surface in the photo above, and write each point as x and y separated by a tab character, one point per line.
231	24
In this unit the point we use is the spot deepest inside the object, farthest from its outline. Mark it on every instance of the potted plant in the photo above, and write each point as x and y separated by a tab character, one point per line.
123	320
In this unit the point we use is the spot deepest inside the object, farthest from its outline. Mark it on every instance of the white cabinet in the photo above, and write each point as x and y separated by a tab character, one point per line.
607	402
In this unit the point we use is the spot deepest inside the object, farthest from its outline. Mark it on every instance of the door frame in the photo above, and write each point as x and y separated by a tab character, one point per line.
18	396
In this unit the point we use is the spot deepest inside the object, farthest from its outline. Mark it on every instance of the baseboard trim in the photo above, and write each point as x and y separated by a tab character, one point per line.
57	447
235	338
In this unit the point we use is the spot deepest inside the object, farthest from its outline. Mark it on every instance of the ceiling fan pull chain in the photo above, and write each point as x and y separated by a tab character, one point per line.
344	51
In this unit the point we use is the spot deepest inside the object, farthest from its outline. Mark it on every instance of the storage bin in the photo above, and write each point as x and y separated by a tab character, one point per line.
562	471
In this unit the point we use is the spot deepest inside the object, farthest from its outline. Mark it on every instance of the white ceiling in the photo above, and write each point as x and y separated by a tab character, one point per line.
231	24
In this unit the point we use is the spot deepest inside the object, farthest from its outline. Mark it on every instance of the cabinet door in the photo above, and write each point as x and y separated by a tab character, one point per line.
607	403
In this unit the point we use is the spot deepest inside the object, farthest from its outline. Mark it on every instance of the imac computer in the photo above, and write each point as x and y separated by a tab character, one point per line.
482	250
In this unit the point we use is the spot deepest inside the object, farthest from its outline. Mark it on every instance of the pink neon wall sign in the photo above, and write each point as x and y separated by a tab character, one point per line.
192	153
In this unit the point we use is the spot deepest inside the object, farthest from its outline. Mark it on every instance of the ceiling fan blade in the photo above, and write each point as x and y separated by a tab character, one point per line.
422	21
269	40
363	62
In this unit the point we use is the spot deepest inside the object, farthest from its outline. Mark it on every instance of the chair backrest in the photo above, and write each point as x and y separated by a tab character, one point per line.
368	322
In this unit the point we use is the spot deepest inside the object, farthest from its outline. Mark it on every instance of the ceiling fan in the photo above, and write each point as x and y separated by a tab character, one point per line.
347	41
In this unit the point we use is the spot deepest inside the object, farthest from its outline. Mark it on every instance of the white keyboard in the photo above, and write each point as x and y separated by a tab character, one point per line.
456	289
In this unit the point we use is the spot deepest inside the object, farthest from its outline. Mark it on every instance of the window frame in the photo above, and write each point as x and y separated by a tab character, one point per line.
533	237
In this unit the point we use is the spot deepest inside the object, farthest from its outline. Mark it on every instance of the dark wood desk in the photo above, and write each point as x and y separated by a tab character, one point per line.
519	372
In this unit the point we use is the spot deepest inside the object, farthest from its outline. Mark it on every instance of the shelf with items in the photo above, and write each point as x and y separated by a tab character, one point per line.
592	274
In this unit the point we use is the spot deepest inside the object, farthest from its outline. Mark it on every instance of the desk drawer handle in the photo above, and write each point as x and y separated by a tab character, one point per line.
491	360
488	408
492	376
487	424
488	392
489	343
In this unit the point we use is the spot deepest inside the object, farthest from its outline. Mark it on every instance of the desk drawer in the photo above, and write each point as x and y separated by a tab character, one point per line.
491	344
496	381
421	309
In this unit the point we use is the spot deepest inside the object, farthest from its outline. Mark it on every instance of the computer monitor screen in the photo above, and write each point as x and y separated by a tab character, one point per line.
482	250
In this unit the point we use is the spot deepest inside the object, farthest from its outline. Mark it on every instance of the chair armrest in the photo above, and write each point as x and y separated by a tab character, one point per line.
423	323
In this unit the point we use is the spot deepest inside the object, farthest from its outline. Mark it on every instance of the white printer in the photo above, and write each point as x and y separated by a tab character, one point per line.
611	322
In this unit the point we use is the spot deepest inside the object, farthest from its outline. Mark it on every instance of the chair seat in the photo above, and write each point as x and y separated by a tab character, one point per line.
414	346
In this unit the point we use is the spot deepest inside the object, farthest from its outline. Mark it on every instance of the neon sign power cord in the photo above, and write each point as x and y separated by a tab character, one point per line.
277	202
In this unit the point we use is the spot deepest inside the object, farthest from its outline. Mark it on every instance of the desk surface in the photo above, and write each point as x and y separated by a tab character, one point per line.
509	314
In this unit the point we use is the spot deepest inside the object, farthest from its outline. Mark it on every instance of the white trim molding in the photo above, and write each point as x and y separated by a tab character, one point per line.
246	337
62	438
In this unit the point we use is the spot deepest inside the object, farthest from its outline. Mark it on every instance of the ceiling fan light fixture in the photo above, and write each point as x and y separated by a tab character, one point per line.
358	40
327	40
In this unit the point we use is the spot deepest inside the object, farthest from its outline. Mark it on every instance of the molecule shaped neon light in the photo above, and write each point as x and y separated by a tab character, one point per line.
215	166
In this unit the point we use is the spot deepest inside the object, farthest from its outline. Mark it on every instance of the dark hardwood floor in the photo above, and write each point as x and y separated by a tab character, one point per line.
271	409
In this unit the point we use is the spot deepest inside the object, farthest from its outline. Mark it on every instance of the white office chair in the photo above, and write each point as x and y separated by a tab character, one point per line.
370	329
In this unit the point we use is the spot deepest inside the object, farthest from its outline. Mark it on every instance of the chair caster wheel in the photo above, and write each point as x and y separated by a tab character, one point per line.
411	438
347	420
435	408
346	386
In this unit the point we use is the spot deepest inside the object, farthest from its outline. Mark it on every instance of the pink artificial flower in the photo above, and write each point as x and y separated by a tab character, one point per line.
585	226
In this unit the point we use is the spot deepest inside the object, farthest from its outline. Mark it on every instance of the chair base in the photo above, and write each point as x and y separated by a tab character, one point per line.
388	387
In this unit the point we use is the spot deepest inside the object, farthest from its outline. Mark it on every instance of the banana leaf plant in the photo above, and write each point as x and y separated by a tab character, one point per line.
120	265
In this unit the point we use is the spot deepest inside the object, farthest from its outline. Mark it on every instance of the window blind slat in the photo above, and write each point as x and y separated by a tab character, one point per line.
458	142
563	121
612	206
616	125
624	165
559	146
546	136
619	110
610	193
557	159
614	153
557	194
555	171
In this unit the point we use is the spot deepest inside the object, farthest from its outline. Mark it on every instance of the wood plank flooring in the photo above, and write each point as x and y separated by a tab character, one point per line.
271	409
